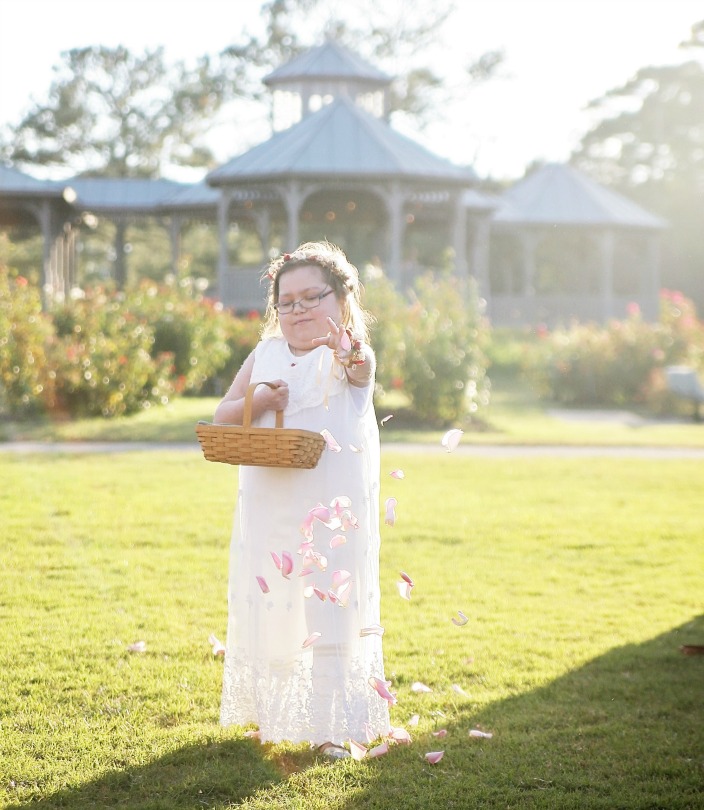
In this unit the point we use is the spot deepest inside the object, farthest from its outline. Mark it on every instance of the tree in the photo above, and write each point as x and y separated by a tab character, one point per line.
650	145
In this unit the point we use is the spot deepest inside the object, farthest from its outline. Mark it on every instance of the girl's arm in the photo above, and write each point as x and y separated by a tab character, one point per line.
230	411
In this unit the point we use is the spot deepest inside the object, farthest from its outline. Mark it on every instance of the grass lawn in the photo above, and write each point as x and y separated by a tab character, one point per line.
581	580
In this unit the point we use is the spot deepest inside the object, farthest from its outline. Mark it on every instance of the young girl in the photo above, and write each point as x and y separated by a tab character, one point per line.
302	645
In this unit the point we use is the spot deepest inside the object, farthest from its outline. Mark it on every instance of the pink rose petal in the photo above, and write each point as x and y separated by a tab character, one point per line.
320	594
390	518
386	419
372	630
440	733
417	686
414	720
434	757
339	504
404	590
404	576
217	645
357	750
451	439
382	690
355	449
306	545
338	540
137	647
486	735
263	585
308	591
400	735
312	638
368	733
460	691
379	750
462	619
398	474
340	577
305	572
330	440
286	564
277	560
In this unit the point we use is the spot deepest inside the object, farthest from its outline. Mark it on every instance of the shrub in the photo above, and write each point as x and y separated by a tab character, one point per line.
24	331
101	358
444	338
387	332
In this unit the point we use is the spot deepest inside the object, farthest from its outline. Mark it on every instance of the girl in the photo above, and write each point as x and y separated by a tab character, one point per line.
302	645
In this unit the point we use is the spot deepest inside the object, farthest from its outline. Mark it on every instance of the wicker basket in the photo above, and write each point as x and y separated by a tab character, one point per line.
260	447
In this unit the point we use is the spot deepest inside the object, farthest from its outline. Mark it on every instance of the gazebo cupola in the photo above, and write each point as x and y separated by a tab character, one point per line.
321	75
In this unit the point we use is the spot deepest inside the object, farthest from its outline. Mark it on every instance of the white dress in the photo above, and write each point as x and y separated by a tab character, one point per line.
320	692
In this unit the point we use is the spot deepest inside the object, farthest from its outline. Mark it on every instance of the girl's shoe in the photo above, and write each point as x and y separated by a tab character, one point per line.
329	749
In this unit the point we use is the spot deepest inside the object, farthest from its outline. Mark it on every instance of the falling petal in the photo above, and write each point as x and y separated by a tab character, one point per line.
338	540
417	686
309	591
320	594
440	733
357	750
386	419
368	733
137	647
277	560
400	735
372	630
382	690
487	735
312	638
462	619
460	691
343	593
305	572
330	440
404	590
263	585
390	518
340	577
414	720
434	757
316	558
321	513
406	578
379	750
338	504
217	645
306	545
451	439
355	449
286	564
398	474
348	521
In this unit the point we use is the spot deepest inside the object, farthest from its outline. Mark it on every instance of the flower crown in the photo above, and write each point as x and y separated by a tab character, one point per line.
301	258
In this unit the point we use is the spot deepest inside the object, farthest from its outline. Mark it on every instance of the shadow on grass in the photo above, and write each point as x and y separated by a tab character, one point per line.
622	731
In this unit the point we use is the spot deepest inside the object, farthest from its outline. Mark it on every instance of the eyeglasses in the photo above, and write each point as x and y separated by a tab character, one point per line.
309	302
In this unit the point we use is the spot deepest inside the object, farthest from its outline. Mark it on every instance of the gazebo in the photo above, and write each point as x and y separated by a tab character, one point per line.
565	247
342	172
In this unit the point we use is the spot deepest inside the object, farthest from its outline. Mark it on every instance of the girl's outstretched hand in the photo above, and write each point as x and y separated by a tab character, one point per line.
334	338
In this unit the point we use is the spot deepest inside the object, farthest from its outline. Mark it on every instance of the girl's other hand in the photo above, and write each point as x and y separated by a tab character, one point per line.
273	399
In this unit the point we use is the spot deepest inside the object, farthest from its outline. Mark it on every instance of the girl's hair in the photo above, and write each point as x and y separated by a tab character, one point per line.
340	274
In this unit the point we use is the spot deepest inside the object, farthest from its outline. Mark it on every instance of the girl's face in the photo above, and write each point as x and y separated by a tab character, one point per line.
301	325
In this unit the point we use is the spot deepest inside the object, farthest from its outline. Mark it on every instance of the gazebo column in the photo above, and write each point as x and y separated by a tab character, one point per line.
651	281
262	219
606	252
175	226
479	264
43	214
293	199
394	199
120	262
224	248
459	238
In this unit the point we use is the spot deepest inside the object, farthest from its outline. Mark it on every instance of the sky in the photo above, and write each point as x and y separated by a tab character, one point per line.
558	56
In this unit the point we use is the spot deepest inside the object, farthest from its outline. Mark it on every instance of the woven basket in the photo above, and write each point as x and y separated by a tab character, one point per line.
260	447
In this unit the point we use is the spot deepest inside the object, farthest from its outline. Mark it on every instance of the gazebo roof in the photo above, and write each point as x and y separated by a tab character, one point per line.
18	184
558	194
327	61
340	140
126	195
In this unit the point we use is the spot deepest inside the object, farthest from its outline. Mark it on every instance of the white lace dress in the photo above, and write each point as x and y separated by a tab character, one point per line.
319	692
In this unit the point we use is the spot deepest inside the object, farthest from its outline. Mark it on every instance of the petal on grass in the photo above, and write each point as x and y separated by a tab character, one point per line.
372	630
460	691
417	686
434	757
475	732
390	517
137	647
263	585
379	750
312	638
414	720
330	440
357	750
400	735
440	733
217	645
451	439
368	733
382	689
462	619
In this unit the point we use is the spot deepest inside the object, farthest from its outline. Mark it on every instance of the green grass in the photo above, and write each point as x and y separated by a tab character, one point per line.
581	579
516	416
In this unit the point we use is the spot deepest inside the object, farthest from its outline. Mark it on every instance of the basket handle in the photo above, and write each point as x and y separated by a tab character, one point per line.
247	415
